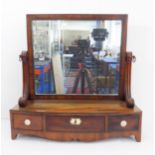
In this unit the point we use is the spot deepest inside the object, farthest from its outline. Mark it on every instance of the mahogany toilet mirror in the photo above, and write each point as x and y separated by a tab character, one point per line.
75	63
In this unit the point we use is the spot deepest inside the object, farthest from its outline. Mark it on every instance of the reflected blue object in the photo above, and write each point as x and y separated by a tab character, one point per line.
45	80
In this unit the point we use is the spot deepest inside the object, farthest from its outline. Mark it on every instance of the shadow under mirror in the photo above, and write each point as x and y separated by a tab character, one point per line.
76	56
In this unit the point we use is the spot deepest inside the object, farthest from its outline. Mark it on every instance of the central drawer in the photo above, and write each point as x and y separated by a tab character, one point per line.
75	123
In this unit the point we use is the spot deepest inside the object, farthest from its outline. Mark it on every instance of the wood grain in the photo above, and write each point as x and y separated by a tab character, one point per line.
77	106
132	123
101	115
36	121
101	120
62	123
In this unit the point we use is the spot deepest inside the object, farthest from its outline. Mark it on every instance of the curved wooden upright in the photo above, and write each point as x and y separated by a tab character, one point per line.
25	97
128	98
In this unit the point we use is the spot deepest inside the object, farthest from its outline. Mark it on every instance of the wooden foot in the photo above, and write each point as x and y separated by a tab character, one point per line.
13	135
138	137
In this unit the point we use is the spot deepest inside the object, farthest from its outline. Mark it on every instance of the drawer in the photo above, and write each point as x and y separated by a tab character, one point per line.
123	122
27	121
75	123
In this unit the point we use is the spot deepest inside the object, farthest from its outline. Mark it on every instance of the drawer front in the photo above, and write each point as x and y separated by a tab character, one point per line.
75	123
123	122
27	121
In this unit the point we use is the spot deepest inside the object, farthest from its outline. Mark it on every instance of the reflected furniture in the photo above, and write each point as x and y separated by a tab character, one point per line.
88	95
43	79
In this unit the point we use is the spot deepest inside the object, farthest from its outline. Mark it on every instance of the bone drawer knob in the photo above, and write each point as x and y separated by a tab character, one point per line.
75	121
27	122
123	123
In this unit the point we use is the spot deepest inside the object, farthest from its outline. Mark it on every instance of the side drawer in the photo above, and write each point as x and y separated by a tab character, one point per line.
123	122
75	123
27	121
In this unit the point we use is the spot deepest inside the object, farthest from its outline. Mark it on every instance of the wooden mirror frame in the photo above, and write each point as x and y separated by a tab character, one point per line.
125	60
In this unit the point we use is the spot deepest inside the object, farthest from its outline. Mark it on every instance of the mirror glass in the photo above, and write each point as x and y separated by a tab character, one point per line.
76	56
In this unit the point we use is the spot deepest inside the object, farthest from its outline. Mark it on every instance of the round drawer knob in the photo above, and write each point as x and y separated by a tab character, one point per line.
27	122
123	123
75	121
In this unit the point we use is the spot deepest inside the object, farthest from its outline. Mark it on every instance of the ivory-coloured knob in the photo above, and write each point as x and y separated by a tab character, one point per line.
75	121
27	122
123	123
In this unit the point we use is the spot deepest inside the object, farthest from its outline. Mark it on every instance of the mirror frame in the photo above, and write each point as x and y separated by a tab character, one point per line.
122	17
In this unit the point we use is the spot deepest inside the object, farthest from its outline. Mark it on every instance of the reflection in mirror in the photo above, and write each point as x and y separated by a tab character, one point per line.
76	56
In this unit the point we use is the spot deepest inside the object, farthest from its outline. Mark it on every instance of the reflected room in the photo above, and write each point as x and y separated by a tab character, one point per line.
76	56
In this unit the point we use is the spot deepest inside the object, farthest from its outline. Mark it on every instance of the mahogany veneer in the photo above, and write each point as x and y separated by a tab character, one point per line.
100	119
77	117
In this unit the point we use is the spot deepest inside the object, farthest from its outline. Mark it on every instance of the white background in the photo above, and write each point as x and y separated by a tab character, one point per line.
140	41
